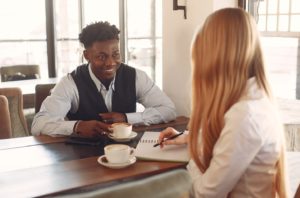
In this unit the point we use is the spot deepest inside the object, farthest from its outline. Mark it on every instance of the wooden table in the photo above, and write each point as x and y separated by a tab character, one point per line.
28	88
43	165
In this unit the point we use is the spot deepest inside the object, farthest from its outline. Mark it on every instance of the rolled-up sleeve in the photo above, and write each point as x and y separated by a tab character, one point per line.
51	118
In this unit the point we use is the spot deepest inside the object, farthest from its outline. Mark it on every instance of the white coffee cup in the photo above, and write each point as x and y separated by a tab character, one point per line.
118	153
121	130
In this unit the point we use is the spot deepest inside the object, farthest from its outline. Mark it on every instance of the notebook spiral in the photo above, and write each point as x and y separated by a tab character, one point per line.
148	141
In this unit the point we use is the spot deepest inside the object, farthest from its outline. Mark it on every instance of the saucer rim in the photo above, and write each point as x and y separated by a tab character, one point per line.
124	139
131	161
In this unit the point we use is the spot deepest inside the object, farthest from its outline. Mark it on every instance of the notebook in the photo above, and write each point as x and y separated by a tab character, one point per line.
172	153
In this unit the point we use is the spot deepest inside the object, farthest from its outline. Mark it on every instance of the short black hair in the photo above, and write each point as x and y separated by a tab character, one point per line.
98	31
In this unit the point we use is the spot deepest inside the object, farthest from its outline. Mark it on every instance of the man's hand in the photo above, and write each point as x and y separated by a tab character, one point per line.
91	128
113	117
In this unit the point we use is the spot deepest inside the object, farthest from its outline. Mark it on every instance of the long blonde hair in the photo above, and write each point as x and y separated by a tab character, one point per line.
226	52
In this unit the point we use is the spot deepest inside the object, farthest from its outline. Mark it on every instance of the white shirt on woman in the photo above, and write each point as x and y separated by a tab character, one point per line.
64	98
244	156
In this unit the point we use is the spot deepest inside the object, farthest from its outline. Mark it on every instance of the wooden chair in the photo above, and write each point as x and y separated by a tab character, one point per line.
173	184
19	72
41	92
297	195
15	104
5	124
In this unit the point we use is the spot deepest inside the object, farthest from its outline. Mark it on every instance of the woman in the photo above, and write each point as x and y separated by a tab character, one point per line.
239	151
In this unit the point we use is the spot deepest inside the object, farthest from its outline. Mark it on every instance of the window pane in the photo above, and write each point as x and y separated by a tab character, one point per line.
262	7
295	6
67	19
23	40
158	18
272	6
67	29
20	21
262	22
284	6
158	63
295	23
69	56
101	10
281	58
140	55
13	53
158	44
144	32
283	24
272	23
139	20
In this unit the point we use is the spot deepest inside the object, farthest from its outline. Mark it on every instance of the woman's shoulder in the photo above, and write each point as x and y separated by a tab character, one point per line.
251	108
254	116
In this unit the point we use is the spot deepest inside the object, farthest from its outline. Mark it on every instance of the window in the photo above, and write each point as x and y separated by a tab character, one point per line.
280	16
25	43
278	22
23	33
67	29
70	17
144	36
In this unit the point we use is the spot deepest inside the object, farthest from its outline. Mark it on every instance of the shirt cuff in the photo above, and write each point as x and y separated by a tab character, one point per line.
135	118
69	125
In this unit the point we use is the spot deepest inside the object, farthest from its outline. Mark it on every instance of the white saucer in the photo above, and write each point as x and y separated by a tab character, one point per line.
132	135
103	161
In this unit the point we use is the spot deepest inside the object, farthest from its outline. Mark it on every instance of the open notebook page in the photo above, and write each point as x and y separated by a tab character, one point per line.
146	151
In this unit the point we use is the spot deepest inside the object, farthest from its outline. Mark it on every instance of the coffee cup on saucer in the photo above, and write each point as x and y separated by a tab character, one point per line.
118	153
121	130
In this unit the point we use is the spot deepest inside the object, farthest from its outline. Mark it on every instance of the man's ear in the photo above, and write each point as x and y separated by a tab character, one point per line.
86	55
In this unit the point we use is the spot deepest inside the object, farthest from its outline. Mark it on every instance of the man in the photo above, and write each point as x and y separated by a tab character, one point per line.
101	92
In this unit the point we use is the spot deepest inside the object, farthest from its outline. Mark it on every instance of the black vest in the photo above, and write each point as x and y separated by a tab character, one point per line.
91	102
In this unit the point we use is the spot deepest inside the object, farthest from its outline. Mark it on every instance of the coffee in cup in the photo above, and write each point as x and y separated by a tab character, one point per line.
118	153
121	130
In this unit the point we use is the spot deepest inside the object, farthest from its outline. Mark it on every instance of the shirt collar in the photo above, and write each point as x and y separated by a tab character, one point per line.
98	83
252	90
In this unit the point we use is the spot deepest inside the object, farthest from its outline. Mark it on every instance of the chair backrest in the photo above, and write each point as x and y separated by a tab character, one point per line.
41	92
172	184
15	103
297	195
5	130
19	72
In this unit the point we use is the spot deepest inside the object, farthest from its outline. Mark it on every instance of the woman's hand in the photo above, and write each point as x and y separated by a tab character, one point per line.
169	132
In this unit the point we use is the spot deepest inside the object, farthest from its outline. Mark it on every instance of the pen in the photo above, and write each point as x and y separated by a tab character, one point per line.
170	138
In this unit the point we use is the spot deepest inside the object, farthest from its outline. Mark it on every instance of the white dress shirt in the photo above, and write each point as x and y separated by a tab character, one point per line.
244	156
64	98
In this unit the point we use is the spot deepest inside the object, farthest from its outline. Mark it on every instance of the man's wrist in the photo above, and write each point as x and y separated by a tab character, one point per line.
75	127
125	117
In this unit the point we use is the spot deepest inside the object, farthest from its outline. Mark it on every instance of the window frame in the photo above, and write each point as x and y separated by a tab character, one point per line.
51	38
249	6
